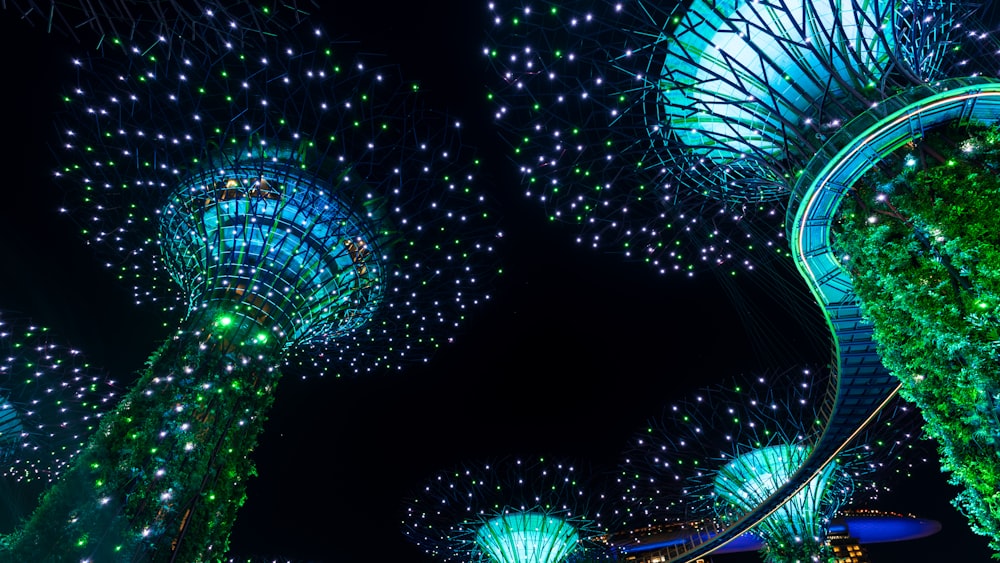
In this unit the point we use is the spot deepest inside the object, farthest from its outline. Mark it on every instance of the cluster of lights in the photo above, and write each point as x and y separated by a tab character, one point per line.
291	209
51	401
675	133
77	19
509	511
286	171
720	453
578	118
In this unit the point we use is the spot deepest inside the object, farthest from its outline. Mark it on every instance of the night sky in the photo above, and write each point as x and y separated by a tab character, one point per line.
576	350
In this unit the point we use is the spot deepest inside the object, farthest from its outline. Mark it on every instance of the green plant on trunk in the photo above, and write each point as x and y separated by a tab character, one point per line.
921	240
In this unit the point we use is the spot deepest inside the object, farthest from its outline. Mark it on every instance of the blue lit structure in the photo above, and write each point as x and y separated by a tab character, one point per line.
719	455
510	511
290	208
664	129
869	528
297	260
689	134
748	480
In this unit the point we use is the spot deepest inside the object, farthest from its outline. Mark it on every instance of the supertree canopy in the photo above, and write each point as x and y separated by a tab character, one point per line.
298	209
51	401
797	529
677	130
509	511
123	17
718	455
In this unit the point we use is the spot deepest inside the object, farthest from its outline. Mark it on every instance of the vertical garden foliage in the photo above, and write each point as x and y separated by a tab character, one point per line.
921	239
163	479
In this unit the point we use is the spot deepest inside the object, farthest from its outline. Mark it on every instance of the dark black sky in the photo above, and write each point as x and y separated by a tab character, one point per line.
575	352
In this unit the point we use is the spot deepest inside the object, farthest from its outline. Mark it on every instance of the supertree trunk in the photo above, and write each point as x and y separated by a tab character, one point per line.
164	477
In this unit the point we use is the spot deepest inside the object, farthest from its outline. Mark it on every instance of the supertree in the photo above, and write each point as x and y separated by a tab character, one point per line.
51	400
309	213
587	138
716	456
676	131
510	511
645	122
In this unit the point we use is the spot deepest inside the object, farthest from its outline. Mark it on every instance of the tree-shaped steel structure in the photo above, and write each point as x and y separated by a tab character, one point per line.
51	401
510	511
646	122
716	456
297	208
681	132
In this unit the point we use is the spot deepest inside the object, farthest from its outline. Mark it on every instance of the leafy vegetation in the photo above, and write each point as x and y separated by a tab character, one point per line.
164	476
921	240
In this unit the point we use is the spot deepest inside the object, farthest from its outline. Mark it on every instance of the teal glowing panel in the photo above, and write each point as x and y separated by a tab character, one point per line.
527	537
11	430
732	92
254	234
747	481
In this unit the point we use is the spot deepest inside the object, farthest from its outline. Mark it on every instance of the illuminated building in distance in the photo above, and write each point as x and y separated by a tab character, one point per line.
847	535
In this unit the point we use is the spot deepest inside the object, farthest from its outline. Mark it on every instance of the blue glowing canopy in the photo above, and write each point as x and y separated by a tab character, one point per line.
253	235
527	537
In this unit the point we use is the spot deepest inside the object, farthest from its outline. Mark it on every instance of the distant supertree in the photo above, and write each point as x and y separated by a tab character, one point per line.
716	456
307	211
51	401
510	511
677	130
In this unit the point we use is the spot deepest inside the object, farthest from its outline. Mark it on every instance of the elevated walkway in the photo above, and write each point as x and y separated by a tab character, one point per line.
861	386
